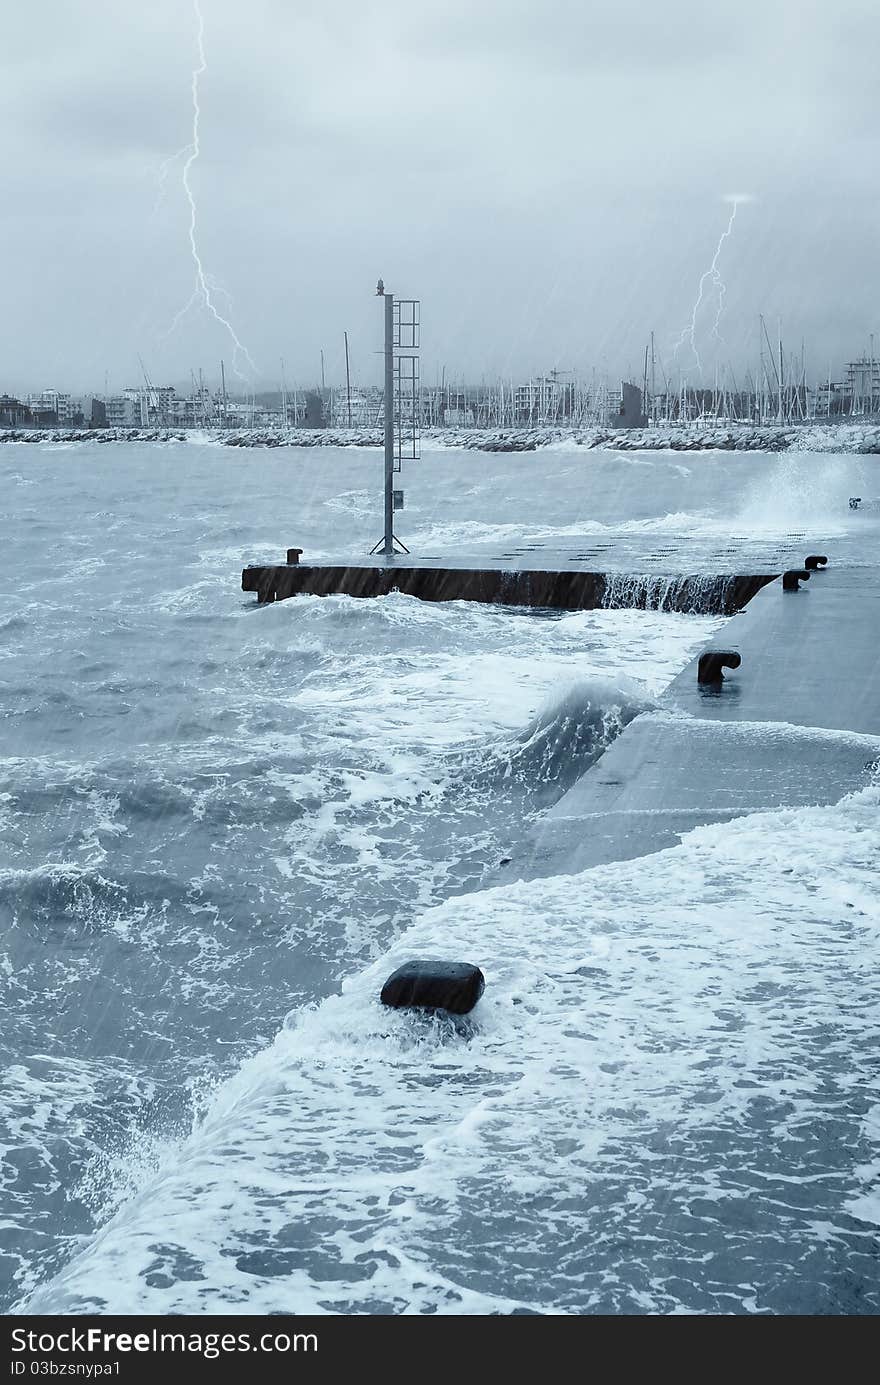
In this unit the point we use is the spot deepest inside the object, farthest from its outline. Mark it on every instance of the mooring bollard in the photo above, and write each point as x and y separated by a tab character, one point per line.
816	562
791	578
293	555
433	985
712	662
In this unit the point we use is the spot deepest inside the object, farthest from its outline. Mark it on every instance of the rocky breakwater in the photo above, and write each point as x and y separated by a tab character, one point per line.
818	437
302	437
834	437
33	435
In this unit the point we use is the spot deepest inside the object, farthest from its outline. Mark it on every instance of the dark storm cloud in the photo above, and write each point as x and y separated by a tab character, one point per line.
548	177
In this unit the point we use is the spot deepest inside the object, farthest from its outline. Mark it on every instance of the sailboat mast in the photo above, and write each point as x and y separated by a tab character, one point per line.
779	340
347	379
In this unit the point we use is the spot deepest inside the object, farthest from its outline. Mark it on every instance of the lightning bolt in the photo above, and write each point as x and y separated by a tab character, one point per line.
711	275
716	277
203	285
162	179
722	290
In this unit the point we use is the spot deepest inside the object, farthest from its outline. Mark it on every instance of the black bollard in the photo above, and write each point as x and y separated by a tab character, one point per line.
791	578
433	985
816	562
293	555
712	662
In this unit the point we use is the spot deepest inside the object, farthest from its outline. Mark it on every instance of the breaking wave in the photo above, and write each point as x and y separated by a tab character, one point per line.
562	740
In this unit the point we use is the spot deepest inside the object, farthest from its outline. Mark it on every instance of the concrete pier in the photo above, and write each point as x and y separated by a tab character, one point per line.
537	576
796	723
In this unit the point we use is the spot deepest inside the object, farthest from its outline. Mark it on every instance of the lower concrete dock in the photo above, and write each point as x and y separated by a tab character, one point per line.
798	722
555	579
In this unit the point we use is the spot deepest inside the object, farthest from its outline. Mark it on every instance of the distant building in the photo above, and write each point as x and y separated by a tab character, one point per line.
124	410
366	408
98	414
537	401
13	414
196	411
630	414
51	407
861	390
314	415
161	404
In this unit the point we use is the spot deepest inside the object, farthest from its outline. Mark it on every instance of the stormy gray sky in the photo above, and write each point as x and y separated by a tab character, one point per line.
547	177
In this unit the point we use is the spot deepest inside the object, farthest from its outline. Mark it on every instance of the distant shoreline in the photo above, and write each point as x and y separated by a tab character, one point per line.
815	437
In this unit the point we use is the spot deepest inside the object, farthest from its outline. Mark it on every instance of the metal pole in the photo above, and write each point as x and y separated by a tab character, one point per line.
779	341
389	425
645	390
347	379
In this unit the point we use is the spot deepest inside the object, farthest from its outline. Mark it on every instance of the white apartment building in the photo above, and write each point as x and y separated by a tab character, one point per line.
366	408
537	400
52	402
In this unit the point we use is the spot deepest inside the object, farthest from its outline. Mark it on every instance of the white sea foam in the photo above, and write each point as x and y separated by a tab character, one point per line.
652	1057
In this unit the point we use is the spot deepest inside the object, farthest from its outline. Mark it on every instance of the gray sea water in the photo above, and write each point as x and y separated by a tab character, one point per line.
222	825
